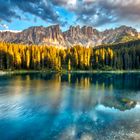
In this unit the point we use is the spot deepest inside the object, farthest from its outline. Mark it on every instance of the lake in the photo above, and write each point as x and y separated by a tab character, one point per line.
82	106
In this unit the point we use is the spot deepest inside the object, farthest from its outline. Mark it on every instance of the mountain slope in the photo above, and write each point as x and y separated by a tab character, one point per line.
85	35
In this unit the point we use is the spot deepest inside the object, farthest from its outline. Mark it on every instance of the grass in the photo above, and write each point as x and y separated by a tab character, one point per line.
2	72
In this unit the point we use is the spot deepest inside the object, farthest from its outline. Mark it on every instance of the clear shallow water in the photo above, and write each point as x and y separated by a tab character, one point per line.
70	107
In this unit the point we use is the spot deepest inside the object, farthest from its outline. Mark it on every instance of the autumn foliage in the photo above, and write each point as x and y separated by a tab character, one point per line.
18	56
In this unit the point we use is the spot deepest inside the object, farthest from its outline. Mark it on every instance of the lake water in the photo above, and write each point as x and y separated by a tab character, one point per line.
101	106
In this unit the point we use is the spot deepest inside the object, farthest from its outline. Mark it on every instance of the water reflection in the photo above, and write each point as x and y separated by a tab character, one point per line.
70	106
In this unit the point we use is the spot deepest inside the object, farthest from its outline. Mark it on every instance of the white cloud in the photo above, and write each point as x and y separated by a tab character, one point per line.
4	26
88	1
72	2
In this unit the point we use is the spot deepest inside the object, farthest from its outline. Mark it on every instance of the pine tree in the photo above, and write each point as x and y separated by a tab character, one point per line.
69	65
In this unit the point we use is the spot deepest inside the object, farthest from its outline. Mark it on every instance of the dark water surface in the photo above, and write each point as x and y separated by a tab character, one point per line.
70	107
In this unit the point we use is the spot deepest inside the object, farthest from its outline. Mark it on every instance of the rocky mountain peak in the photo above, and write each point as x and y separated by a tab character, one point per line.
87	31
85	35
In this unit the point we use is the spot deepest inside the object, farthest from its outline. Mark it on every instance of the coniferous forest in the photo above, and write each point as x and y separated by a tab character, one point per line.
122	56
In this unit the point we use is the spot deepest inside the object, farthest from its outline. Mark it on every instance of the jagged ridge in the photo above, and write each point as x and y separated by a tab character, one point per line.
85	35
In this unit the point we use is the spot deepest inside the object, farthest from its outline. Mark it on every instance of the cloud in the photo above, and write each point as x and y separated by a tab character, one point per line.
44	9
100	12
68	4
40	8
6	11
90	12
4	26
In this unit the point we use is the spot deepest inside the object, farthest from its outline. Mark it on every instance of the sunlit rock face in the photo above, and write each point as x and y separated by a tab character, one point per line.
53	36
85	36
36	35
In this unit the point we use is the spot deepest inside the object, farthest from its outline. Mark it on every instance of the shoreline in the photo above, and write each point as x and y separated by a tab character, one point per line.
4	72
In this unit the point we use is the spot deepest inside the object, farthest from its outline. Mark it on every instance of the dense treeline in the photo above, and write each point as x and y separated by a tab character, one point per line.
118	56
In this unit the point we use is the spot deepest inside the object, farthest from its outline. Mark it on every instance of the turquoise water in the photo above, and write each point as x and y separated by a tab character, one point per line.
100	106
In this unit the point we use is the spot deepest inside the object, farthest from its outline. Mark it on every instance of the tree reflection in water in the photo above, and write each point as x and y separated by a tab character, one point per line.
73	106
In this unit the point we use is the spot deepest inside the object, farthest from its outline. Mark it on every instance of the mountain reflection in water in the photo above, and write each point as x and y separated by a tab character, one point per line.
76	106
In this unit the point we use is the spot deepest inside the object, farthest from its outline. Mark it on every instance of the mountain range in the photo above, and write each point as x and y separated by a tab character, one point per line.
54	36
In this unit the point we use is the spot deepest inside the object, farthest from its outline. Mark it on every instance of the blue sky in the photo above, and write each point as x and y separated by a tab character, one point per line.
101	14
